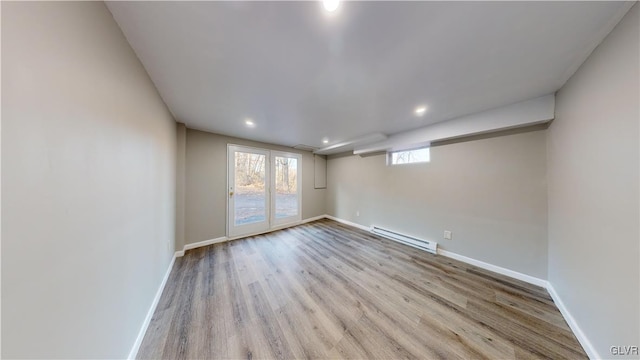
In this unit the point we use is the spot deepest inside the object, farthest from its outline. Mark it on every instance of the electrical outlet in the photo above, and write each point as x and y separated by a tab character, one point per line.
358	213
447	235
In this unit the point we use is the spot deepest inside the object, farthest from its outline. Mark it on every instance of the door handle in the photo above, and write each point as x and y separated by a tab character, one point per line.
231	194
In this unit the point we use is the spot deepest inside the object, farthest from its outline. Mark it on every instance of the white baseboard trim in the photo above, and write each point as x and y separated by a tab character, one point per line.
319	217
152	309
204	243
497	269
577	331
347	222
226	238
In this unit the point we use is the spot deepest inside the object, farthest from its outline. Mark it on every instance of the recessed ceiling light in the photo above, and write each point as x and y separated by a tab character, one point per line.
420	110
331	5
325	141
249	123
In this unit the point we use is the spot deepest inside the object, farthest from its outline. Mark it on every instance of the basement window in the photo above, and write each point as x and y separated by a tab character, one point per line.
408	156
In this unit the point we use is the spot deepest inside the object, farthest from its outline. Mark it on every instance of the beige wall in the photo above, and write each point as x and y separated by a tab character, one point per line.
206	184
490	193
593	191
88	183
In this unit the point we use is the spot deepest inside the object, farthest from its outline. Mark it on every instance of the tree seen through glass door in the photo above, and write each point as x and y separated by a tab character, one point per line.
286	177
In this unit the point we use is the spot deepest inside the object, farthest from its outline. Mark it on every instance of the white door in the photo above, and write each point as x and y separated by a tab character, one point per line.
264	189
248	190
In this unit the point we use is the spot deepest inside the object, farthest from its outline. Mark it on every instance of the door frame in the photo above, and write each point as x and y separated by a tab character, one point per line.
271	222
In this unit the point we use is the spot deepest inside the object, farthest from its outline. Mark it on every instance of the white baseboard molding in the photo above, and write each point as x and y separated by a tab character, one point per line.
347	222
577	331
497	269
152	309
204	243
226	238
319	217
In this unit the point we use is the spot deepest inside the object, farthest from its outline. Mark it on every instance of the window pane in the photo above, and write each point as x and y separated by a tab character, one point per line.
410	156
250	194
286	187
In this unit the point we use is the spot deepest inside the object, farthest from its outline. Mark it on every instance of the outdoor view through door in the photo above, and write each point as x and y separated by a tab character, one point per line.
264	189
250	190
286	187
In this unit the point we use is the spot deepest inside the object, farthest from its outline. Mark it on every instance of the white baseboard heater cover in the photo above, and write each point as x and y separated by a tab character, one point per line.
425	245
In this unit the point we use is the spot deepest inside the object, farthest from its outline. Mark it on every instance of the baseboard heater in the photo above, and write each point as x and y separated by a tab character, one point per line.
425	245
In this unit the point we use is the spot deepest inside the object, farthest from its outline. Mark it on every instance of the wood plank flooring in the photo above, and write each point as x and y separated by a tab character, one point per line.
327	290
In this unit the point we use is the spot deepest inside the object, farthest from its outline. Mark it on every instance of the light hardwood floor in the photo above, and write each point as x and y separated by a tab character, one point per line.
327	290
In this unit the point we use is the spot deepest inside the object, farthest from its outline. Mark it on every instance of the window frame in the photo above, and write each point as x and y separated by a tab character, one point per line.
390	156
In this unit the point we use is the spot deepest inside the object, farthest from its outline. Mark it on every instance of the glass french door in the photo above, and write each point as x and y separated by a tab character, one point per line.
248	190
264	189
286	191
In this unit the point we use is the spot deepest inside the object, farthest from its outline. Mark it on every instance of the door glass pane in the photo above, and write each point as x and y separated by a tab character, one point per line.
286	187
249	193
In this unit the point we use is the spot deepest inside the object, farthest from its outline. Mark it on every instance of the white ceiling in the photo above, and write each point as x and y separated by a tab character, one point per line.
303	74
